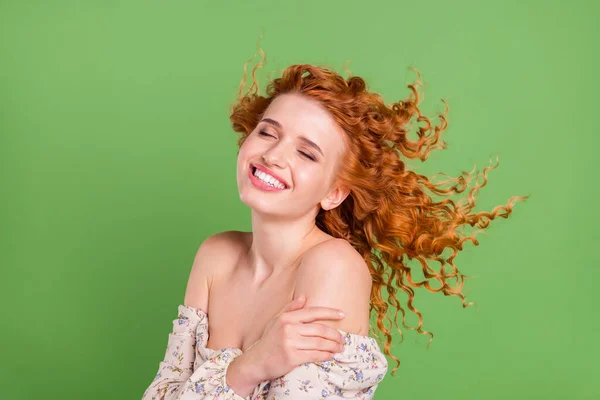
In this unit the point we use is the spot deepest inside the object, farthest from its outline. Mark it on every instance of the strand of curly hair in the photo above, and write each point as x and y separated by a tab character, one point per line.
389	217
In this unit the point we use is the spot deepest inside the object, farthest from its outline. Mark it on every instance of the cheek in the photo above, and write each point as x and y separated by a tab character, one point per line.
245	150
311	180
240	159
249	146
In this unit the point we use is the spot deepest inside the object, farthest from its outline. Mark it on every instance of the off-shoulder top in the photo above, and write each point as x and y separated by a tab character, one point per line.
190	370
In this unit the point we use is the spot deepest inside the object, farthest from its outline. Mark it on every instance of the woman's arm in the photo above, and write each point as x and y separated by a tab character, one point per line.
181	375
177	378
243	378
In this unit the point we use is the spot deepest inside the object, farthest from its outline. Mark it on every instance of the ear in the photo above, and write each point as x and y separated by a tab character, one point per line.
334	198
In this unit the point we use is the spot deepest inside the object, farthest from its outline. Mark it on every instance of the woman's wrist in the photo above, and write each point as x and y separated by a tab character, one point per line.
241	377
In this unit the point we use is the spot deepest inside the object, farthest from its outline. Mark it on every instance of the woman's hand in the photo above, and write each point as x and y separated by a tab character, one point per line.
292	338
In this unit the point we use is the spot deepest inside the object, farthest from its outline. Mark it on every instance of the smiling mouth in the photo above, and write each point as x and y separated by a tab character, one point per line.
253	171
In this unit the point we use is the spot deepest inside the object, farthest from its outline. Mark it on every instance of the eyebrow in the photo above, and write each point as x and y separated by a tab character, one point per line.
303	138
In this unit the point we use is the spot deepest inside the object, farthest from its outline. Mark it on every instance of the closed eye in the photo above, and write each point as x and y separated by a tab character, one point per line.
307	155
263	133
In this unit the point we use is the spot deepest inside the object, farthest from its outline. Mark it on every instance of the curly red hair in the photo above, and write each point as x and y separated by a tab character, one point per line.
388	217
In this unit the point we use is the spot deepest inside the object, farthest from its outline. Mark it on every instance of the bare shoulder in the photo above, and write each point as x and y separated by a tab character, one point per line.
334	274
211	256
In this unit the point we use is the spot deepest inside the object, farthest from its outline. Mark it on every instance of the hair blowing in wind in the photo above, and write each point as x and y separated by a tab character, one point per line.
389	217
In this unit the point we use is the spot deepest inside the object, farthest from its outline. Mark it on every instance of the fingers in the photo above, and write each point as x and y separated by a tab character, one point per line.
295	304
321	330
311	314
317	343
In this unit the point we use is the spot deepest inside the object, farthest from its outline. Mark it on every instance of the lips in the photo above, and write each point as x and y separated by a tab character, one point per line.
268	171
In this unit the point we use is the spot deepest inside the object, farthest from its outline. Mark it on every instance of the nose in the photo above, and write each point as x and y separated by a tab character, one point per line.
277	155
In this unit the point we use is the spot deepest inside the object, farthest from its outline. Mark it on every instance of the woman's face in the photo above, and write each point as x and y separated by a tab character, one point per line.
303	146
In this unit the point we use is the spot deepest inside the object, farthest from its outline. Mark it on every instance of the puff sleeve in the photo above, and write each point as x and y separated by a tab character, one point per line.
353	373
189	370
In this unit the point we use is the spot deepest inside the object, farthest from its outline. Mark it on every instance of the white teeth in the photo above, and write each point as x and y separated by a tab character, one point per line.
268	179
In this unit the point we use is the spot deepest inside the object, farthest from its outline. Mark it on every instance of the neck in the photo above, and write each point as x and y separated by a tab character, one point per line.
278	243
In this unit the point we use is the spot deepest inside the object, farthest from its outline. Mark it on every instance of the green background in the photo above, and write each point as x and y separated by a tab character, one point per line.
117	159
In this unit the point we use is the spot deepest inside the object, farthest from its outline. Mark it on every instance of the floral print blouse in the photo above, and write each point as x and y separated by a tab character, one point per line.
189	370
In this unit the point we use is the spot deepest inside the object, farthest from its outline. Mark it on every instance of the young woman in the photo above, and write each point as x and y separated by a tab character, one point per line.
336	215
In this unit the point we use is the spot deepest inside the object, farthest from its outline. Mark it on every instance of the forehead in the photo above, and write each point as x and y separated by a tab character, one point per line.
302	116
